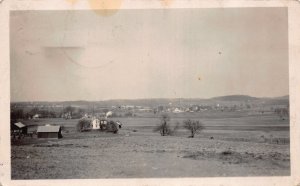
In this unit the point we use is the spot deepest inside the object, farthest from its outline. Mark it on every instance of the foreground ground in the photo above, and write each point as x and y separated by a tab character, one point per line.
137	152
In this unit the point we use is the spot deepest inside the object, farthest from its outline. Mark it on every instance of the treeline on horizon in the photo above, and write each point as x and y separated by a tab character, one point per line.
159	101
77	109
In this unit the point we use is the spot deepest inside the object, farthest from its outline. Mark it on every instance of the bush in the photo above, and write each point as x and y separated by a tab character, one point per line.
112	127
193	126
83	124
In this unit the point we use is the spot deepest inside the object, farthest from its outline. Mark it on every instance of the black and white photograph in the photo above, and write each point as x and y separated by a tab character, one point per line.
149	93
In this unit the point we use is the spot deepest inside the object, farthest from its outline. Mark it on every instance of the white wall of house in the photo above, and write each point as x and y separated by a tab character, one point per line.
96	124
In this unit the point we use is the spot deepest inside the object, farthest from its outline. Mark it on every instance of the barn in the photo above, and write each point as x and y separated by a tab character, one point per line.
49	132
19	128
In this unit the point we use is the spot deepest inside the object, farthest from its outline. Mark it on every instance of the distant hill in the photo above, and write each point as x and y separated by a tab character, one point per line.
154	102
283	100
235	98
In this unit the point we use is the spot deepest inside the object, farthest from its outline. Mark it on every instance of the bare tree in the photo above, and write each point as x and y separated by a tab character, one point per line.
163	127
193	126
83	124
282	112
70	110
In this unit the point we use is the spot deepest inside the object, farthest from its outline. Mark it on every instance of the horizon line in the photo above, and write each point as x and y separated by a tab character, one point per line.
153	98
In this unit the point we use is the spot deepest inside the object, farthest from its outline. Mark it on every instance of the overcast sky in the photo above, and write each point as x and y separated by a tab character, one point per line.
179	53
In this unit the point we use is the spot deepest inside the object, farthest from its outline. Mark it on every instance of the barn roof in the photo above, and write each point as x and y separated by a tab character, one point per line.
48	129
20	125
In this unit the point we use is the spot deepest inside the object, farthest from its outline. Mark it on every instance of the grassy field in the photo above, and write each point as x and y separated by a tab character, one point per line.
232	144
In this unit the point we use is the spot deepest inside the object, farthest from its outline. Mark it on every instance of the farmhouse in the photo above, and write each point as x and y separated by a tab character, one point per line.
95	124
49	132
145	110
177	110
19	128
36	116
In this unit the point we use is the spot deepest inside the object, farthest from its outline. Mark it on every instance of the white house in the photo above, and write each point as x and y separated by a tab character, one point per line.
95	123
36	116
177	110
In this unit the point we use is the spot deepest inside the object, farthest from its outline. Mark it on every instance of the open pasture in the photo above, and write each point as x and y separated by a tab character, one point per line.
228	146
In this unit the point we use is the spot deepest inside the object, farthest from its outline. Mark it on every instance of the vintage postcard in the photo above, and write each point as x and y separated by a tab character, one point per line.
150	92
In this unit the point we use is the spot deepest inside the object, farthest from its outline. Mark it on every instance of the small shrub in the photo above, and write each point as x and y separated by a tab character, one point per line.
226	152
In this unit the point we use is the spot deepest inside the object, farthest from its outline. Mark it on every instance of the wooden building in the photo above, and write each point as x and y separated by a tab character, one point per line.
49	132
19	128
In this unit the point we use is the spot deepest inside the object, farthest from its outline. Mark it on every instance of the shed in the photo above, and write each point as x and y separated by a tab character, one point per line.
49	132
19	128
